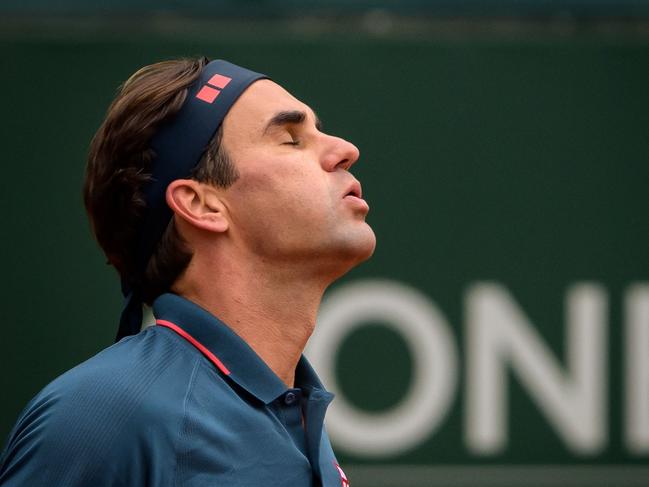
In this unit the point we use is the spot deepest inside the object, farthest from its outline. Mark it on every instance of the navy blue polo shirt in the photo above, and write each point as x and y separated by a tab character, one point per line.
185	403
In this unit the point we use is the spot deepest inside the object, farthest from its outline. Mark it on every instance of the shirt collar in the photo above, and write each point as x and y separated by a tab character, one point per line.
246	368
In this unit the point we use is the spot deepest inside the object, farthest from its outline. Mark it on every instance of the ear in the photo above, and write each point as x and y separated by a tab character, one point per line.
198	204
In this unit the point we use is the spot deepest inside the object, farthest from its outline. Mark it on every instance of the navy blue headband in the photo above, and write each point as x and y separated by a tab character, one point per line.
179	145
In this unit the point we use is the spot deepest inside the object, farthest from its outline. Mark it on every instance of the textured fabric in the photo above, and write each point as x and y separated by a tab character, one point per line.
153	410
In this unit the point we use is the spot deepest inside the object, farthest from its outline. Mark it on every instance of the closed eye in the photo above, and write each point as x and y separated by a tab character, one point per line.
293	142
291	119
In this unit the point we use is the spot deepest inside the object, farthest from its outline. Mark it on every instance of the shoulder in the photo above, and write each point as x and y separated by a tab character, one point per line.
138	372
122	406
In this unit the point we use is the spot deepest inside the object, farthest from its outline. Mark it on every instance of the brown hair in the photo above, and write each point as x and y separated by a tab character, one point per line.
119	165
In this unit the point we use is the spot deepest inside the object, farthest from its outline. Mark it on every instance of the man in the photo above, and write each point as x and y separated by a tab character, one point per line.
220	201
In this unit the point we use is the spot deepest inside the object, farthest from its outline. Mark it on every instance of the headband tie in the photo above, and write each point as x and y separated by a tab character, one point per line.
179	145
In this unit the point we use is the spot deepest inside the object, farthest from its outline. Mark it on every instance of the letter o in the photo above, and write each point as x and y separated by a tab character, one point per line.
429	339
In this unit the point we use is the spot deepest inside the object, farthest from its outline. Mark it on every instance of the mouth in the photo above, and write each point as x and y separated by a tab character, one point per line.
354	190
354	196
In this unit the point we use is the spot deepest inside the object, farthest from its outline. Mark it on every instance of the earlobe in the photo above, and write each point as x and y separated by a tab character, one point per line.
197	204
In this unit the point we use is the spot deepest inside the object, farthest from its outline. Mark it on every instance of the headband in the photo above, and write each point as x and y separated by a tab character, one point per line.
179	145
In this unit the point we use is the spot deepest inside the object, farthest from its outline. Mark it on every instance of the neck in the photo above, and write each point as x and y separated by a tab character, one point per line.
273	310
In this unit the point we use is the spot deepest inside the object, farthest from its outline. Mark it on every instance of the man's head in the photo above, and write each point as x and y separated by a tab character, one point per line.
270	186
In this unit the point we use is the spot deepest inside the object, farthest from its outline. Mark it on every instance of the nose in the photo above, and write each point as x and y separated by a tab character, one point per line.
340	154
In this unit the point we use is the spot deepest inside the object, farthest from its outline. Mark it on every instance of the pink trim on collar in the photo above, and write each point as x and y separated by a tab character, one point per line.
211	357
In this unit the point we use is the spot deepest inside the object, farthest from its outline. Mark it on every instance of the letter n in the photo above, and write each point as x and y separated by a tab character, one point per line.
572	398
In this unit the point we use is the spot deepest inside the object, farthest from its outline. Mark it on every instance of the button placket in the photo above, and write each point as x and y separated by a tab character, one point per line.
290	411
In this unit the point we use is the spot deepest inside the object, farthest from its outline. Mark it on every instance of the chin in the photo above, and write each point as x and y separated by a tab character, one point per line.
359	247
367	249
334	256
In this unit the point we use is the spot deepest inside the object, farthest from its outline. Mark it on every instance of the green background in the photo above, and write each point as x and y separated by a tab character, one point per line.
519	159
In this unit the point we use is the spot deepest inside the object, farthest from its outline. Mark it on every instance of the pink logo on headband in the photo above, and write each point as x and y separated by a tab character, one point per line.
212	89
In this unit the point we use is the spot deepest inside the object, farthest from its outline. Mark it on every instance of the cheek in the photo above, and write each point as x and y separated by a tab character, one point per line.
306	195
290	197
301	180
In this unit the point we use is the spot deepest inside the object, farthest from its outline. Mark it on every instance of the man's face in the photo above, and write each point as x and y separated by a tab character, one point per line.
295	199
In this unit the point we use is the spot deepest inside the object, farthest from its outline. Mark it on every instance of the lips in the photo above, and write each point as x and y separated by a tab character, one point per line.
354	196
354	190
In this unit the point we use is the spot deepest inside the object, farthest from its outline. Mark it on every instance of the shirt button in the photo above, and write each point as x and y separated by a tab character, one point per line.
289	398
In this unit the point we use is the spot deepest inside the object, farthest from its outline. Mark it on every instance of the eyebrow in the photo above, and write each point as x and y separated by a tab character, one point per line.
290	117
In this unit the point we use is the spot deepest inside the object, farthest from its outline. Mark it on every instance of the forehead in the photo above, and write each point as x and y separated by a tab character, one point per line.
258	104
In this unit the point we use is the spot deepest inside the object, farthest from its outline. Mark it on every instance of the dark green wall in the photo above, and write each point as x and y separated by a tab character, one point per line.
520	161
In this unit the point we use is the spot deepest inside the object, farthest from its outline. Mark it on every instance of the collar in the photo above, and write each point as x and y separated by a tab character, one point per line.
229	352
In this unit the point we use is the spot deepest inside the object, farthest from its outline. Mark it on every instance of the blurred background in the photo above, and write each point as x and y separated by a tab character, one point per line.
500	334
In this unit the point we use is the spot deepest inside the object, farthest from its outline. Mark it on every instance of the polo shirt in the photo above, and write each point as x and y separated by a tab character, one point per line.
184	403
